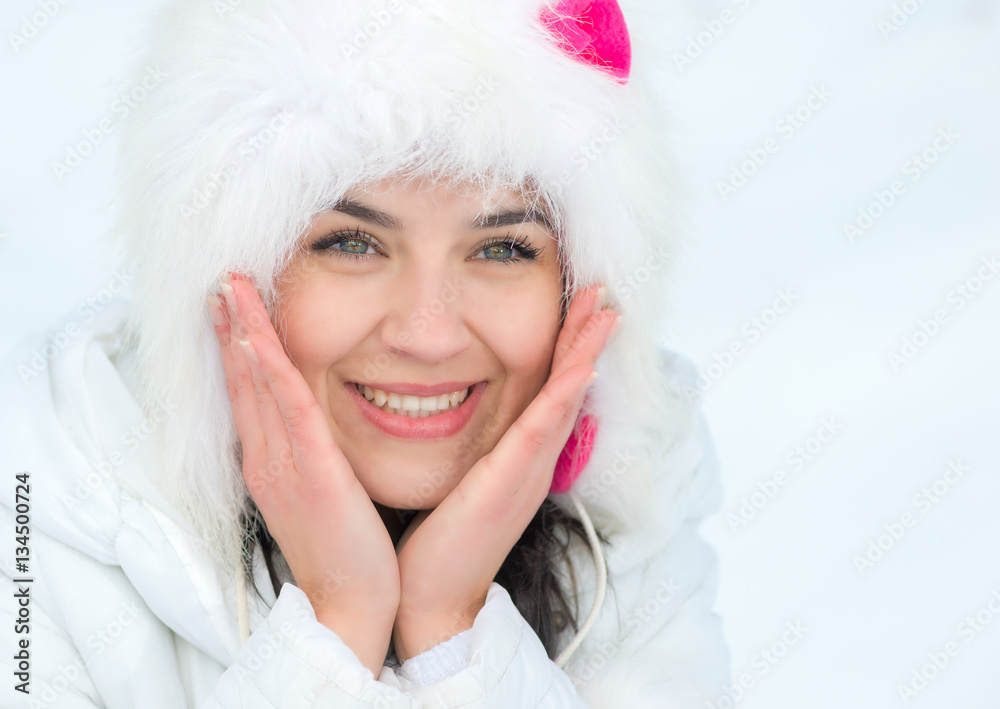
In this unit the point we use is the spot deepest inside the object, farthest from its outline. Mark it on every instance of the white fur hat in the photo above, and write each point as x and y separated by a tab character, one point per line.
270	110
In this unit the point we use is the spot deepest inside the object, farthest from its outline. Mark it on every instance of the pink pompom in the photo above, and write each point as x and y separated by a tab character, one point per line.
574	456
593	31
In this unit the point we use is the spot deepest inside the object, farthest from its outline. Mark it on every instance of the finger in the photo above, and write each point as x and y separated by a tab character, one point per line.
251	318
592	338
585	303
503	481
220	322
279	451
590	342
245	302
306	425
496	500
246	414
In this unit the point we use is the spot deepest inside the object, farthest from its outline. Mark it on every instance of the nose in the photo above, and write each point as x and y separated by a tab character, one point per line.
427	319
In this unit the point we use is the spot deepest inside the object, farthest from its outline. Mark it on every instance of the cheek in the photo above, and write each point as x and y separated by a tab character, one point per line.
318	323
521	329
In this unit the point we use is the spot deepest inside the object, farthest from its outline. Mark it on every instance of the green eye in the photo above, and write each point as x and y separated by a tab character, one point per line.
519	245
356	244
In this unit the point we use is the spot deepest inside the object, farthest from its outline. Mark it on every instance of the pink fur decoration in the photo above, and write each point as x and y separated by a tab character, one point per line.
574	456
593	31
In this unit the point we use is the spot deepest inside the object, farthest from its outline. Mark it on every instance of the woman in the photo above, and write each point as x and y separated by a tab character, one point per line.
385	206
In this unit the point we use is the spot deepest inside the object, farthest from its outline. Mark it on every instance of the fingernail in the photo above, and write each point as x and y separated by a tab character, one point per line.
616	325
599	298
251	352
590	380
229	293
215	309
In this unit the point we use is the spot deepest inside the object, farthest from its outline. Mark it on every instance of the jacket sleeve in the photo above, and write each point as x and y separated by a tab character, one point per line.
507	667
292	660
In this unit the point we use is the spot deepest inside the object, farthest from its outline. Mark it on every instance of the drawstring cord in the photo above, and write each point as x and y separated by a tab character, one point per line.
602	579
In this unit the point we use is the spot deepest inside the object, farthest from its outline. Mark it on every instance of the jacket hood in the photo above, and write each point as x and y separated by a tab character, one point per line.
270	110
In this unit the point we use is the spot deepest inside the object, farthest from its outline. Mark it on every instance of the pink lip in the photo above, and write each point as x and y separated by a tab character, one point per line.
436	426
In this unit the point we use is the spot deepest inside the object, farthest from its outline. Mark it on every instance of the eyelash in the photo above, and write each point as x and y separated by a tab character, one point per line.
520	244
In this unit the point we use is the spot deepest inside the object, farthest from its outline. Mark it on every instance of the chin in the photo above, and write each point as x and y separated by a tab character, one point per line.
422	492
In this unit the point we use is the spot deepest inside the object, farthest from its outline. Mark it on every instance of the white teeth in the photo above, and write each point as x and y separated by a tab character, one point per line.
413	406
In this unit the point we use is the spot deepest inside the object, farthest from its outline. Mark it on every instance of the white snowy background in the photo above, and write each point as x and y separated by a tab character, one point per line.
883	91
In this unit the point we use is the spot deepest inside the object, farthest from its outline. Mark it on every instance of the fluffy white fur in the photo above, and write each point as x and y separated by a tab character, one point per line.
199	199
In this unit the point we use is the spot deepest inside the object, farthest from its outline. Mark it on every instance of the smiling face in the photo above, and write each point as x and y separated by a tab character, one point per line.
399	287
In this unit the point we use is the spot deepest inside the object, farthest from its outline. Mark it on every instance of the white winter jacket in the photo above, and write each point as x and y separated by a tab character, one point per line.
117	605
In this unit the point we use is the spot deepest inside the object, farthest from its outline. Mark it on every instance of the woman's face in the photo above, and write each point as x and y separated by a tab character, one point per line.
398	290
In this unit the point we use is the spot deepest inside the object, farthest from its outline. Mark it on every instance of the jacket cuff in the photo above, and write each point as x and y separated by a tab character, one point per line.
508	666
294	660
442	660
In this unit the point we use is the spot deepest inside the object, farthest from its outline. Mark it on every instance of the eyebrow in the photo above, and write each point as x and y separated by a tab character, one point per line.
385	220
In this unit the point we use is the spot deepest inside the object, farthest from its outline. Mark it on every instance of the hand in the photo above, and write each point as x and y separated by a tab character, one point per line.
326	526
449	556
